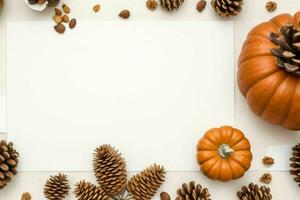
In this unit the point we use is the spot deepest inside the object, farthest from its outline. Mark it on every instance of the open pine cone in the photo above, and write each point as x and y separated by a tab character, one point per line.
87	191
110	169
192	191
254	192
227	8
171	5
295	163
8	162
26	196
144	185
287	53
57	187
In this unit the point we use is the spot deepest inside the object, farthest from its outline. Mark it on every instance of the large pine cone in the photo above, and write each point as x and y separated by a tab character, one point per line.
171	5
287	53
253	192
144	185
57	187
192	191
227	8
87	191
110	169
295	163
8	162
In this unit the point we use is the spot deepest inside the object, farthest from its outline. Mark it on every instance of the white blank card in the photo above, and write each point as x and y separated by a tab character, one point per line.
148	88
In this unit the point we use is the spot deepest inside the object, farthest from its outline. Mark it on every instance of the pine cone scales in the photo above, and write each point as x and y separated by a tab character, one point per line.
192	191
87	191
295	163
254	192
287	53
56	187
227	8
110	169
8	162
144	185
171	5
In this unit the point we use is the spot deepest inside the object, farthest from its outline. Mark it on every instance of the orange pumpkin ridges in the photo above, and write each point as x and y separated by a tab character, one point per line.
269	70
224	153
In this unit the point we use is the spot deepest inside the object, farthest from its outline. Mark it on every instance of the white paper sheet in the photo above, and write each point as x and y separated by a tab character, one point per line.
148	88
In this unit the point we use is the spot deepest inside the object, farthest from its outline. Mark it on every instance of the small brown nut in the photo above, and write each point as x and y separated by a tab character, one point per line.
60	28
57	11
57	19
151	4
72	23
65	19
201	5
124	14
96	8
66	8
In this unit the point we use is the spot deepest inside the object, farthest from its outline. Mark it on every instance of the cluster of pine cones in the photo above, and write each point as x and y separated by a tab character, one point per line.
110	171
224	8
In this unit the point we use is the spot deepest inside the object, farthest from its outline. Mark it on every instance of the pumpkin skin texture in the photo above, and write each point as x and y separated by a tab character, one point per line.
271	91
224	154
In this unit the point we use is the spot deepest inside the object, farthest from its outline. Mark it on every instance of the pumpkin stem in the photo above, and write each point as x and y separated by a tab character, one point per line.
225	151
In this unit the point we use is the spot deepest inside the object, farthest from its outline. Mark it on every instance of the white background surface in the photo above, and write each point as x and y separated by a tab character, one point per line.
257	131
117	83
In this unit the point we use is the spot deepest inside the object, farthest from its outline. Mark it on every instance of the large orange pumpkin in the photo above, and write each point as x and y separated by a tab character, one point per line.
269	70
224	153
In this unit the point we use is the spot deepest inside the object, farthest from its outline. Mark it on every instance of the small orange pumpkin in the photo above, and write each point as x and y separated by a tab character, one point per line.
224	153
269	70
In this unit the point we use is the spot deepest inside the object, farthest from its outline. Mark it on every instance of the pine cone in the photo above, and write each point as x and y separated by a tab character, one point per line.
26	196
171	5
8	162
254	192
287	53
192	191
110	169
87	191
227	8
295	163
144	185
57	187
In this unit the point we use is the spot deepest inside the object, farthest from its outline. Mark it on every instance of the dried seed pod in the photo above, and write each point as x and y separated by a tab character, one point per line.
151	4
171	5
57	187
165	196
253	192
201	5
110	169
65	19
66	9
9	159
87	191
192	191
124	14
57	11
145	184
58	19
26	196
295	163
60	28
72	23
